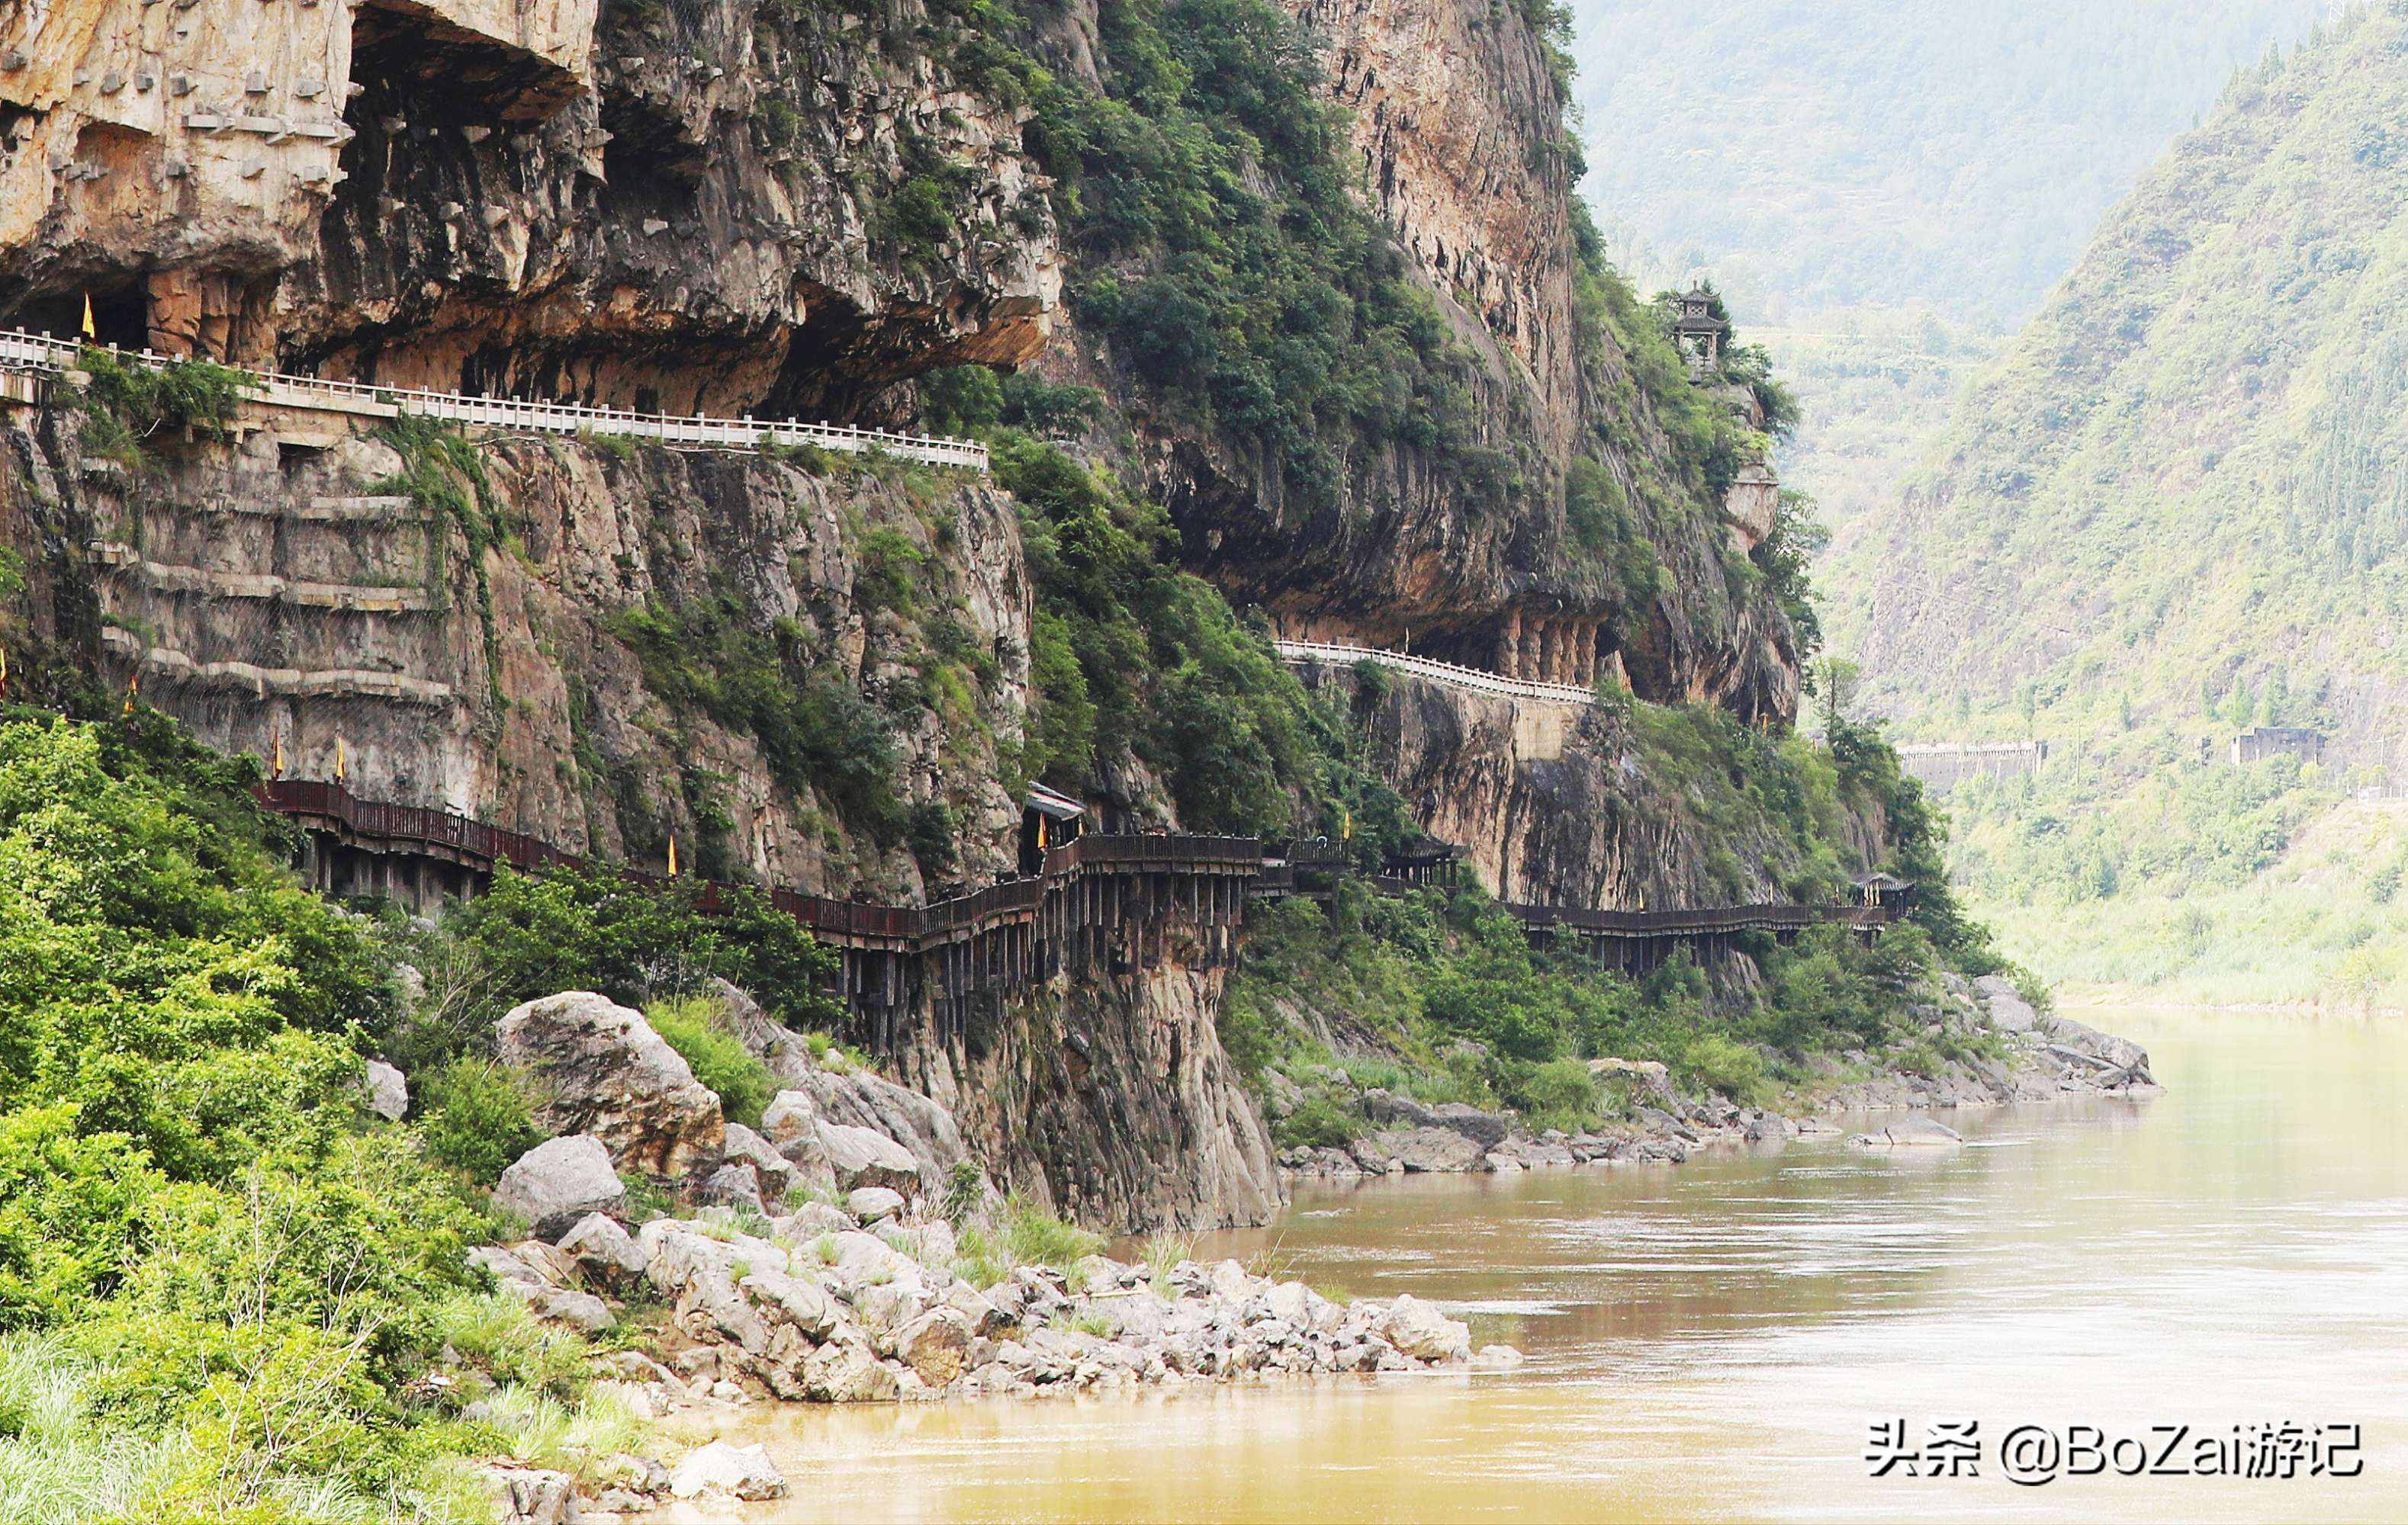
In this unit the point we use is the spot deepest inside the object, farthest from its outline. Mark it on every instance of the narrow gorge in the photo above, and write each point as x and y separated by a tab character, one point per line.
505	416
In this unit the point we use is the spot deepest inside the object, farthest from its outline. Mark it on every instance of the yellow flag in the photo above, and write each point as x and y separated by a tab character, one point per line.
89	331
339	757
1345	824
673	855
275	769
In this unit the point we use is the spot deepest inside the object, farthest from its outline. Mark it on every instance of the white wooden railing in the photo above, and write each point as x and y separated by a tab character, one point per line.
1451	672
23	351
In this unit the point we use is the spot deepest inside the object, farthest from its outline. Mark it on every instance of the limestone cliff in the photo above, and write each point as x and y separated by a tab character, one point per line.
678	208
1109	1098
819	674
591	645
1569	805
1545	462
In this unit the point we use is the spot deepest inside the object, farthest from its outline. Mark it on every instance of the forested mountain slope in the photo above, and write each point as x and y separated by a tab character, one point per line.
2179	501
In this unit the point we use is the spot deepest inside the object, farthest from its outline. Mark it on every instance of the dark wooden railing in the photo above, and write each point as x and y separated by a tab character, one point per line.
885	947
332	809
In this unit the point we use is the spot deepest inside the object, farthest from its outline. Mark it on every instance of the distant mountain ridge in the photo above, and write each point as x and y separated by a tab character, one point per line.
2181	498
1855	152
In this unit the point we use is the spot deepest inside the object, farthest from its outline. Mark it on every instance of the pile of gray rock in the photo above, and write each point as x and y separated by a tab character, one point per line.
820	1266
822	1306
1408	1137
2047	1056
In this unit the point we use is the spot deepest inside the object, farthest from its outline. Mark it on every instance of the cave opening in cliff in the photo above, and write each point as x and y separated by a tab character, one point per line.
121	314
461	75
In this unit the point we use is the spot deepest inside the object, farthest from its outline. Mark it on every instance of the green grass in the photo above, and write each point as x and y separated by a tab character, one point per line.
695	1027
1023	1234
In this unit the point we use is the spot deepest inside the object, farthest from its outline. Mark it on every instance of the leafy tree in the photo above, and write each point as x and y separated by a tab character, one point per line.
566	929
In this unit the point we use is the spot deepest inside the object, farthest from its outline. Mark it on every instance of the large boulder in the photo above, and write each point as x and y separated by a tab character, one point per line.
733	1185
559	1181
923	1128
1428	1149
1638	1077
1423	1333
870	1204
1485	1129
2009	1011
746	1148
531	1495
388	1093
862	1157
846	1370
736	1471
604	1071
605	1251
792	1127
2107	1054
936	1345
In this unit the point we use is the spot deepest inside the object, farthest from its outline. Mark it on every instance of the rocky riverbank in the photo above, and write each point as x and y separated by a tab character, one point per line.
2011	1053
848	1250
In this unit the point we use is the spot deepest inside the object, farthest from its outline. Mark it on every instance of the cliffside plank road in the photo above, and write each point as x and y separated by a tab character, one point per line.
42	355
1470	680
1096	899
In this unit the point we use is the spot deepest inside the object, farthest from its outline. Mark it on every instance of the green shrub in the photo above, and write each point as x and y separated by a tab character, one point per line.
1317	1123
566	929
241	1280
1560	1093
127	402
719	1059
819	735
477	1116
965	1191
496	1334
67	1207
1727	1067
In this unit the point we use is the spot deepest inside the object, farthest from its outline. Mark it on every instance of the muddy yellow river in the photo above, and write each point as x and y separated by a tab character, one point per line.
1721	1340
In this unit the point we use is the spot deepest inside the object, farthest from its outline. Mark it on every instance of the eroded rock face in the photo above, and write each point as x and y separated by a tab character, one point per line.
1556	804
1109	1098
633	207
1456	120
346	615
604	1073
863	1158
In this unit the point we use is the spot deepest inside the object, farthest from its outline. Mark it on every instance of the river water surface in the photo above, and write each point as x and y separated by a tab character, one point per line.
1715	1341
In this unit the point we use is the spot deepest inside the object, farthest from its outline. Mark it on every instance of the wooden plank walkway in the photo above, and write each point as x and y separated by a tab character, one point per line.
1007	936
